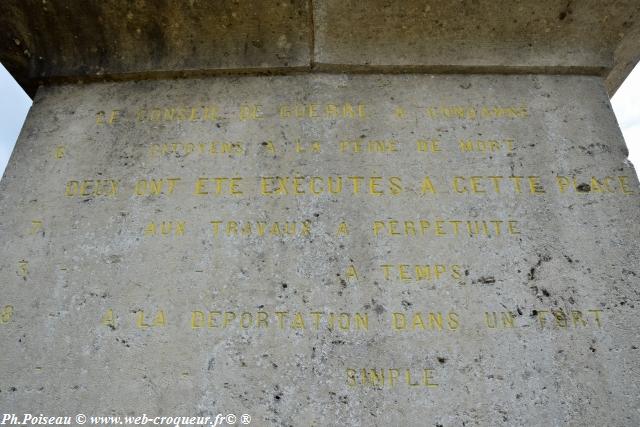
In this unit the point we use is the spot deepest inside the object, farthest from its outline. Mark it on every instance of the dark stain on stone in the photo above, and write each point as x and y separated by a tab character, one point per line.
379	309
566	11
583	188
545	292
442	360
123	341
211	364
541	259
487	280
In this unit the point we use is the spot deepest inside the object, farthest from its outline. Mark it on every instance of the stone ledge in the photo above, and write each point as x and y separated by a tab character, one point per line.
62	41
77	38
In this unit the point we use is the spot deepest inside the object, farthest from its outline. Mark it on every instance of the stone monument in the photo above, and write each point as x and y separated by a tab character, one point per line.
320	213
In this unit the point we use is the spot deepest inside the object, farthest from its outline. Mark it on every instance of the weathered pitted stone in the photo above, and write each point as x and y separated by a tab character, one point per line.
74	39
178	248
626	57
515	36
70	40
342	246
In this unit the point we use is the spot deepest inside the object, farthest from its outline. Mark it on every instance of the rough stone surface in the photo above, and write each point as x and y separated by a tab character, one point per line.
626	57
68	40
486	34
77	38
577	250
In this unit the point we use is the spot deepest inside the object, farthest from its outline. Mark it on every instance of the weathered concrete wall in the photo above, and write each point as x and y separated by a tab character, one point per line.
541	173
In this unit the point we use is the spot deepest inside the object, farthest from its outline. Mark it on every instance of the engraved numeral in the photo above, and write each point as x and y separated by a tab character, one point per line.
23	269
36	225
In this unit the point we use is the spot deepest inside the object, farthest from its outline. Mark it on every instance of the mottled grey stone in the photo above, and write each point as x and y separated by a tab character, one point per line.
71	40
577	250
78	39
514	36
